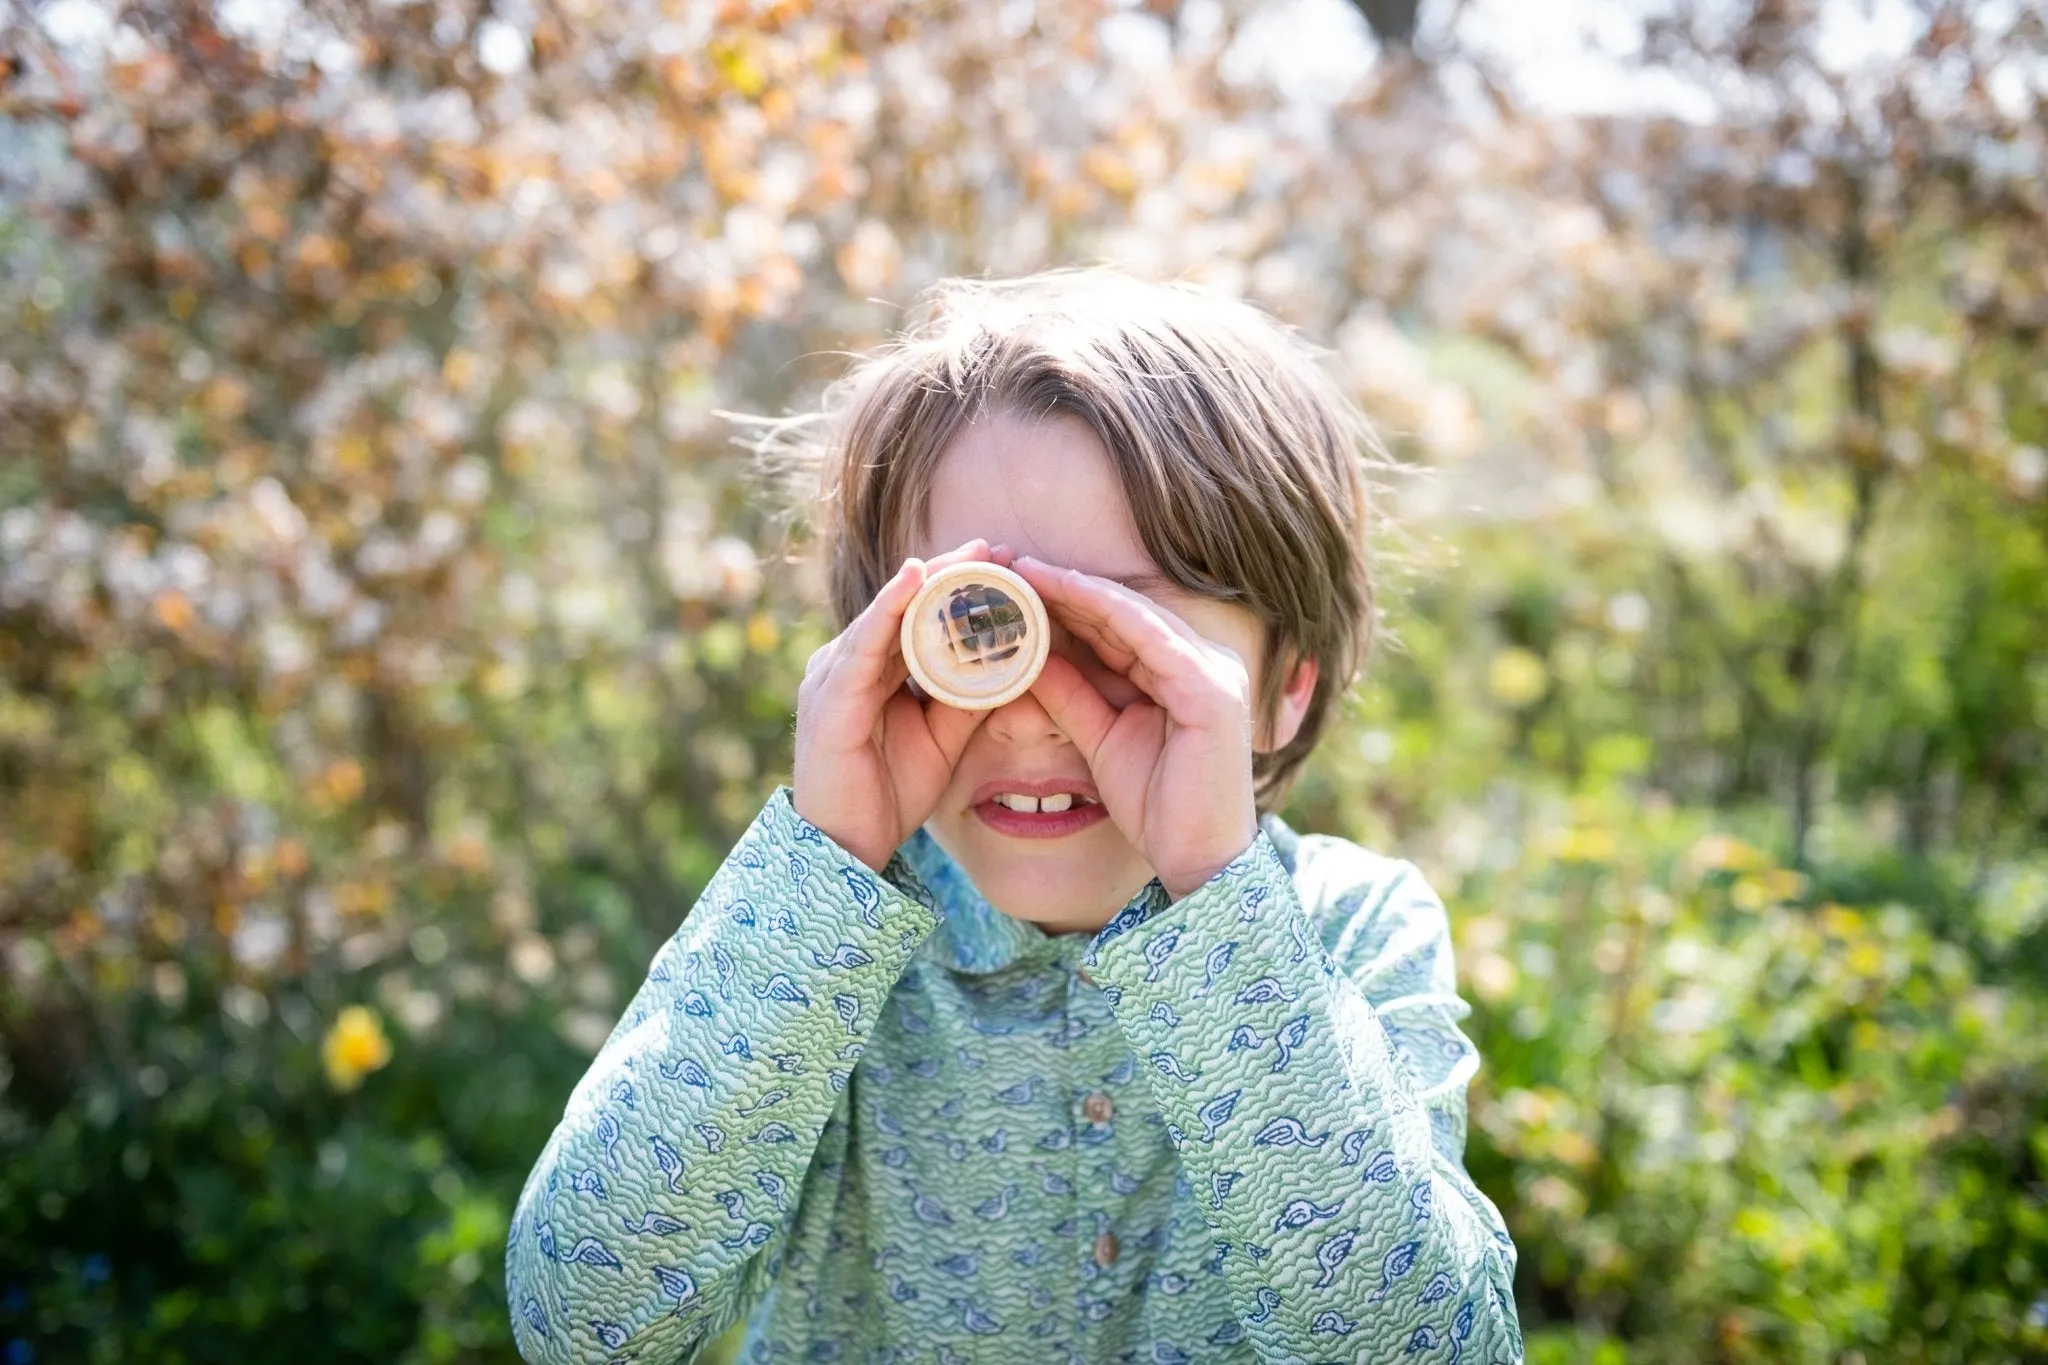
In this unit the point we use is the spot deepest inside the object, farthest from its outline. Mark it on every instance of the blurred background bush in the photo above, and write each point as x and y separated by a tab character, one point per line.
392	637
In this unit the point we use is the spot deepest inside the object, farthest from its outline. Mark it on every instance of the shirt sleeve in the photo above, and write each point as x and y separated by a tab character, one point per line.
1315	1092
659	1206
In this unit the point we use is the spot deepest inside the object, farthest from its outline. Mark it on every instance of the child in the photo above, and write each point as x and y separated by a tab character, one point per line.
1031	1034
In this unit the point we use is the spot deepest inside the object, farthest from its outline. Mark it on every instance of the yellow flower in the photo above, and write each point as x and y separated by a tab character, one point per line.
1726	853
1773	886
1517	677
762	632
1584	844
354	1047
1840	920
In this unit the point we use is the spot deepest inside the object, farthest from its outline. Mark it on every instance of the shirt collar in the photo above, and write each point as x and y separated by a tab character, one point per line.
976	938
973	936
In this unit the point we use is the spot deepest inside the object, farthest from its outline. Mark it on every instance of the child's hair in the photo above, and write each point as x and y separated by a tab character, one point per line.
1243	463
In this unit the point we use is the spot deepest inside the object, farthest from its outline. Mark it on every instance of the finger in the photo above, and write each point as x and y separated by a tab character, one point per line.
1137	637
978	548
950	729
1072	585
1111	650
1116	609
821	660
871	652
1074	706
860	671
919	736
866	647
871	656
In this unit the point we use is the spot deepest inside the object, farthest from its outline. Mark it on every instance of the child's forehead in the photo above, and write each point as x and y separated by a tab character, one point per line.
1044	488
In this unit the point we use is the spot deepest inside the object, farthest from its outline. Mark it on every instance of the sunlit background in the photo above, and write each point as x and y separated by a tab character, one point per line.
393	636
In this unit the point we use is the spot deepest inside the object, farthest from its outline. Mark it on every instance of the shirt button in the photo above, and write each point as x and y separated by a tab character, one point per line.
1098	1108
1107	1249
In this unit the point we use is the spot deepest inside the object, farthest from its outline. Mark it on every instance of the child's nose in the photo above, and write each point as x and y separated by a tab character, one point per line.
1022	721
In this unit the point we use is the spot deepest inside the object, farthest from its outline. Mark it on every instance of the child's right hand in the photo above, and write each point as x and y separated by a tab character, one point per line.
872	759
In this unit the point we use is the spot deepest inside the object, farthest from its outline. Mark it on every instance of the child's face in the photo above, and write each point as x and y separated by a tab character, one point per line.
1047	489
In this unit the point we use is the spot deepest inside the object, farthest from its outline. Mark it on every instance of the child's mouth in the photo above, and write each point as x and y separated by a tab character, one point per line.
1037	810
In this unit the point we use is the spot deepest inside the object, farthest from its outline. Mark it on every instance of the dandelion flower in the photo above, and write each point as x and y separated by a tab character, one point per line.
354	1047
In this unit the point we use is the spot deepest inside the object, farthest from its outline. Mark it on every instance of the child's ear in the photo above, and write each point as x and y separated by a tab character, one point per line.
1292	707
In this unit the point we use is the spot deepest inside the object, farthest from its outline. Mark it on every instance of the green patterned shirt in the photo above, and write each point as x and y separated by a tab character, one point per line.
893	1124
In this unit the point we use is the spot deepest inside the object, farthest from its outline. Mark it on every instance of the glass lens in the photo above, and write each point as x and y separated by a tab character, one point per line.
983	626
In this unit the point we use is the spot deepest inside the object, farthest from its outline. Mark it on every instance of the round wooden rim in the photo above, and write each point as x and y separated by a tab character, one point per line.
1012	583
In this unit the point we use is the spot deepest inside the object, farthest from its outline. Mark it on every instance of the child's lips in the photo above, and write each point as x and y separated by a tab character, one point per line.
995	803
1080	788
1039	824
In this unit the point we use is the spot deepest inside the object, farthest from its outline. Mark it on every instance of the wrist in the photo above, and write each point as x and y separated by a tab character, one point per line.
1184	882
866	851
1180	888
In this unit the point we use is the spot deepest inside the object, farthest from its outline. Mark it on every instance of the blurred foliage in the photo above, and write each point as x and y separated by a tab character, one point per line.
391	639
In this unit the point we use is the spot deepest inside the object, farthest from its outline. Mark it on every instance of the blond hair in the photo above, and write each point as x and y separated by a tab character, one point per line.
1243	463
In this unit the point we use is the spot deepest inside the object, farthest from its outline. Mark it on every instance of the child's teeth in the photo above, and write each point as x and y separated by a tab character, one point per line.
1060	802
1028	804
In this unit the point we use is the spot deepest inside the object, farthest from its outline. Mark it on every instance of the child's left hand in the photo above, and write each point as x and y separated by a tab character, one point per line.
1174	771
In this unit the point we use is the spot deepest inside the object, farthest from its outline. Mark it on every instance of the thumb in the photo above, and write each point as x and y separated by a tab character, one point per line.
950	729
1074	706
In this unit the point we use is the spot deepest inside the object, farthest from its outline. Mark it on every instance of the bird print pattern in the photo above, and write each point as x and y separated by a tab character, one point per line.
882	1122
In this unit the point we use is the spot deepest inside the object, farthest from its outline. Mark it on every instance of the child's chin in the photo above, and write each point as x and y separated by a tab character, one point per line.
1061	885
1057	899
